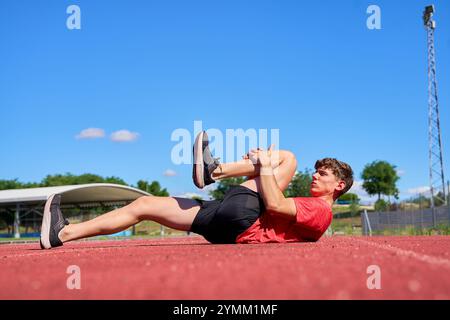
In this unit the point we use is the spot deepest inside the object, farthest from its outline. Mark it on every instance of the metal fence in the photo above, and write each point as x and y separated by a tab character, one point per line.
419	219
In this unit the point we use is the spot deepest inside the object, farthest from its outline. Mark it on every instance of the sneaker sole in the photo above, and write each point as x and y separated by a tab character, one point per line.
198	162
45	228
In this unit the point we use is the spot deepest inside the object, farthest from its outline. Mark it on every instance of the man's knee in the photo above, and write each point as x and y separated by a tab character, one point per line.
288	157
141	206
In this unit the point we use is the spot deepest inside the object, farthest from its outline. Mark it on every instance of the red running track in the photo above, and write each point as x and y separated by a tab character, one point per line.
190	268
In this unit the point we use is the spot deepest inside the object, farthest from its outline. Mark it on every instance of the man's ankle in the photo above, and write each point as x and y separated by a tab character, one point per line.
217	173
63	234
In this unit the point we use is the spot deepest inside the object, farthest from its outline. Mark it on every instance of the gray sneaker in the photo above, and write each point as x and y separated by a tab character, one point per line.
52	223
204	163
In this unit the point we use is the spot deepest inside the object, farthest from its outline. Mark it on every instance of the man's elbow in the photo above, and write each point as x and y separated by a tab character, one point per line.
273	207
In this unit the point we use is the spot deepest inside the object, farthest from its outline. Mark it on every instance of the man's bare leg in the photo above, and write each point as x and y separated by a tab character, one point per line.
176	213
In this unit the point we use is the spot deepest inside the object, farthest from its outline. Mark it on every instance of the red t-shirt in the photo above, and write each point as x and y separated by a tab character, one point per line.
313	217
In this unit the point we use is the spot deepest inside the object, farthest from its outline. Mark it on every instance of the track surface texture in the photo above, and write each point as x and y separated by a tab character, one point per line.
190	268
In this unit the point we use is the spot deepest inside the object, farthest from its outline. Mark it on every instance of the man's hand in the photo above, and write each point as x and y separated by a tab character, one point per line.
274	199
261	157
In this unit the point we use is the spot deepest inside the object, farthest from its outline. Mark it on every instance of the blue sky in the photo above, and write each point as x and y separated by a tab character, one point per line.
311	69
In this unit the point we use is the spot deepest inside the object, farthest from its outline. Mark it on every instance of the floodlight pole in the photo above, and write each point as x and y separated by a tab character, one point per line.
436	168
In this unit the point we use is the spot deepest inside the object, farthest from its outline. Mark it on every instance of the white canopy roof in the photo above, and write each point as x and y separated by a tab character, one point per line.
93	192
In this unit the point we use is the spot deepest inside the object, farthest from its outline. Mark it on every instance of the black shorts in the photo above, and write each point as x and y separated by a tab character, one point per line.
222	221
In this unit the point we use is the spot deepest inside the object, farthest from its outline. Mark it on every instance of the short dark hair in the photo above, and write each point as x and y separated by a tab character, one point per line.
340	169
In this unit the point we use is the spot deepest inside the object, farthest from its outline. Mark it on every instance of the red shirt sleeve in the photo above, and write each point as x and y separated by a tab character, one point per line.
313	214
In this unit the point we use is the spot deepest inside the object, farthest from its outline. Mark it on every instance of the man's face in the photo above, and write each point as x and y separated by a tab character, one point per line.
324	182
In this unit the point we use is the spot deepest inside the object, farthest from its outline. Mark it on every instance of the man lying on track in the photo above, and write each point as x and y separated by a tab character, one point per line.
254	212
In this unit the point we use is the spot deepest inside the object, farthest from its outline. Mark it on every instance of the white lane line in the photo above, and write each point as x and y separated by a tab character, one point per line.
408	253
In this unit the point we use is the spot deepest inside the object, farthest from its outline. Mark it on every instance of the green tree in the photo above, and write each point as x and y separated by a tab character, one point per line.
31	185
14	184
10	184
115	180
153	188
223	186
380	178
300	185
58	180
381	205
70	179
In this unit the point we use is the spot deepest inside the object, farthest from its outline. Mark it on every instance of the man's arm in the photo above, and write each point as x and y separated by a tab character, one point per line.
273	197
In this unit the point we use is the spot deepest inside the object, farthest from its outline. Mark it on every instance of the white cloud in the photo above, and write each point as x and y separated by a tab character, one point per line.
91	133
419	190
400	172
124	136
169	173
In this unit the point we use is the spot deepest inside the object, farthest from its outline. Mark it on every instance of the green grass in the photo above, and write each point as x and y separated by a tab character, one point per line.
440	230
18	240
346	226
352	226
